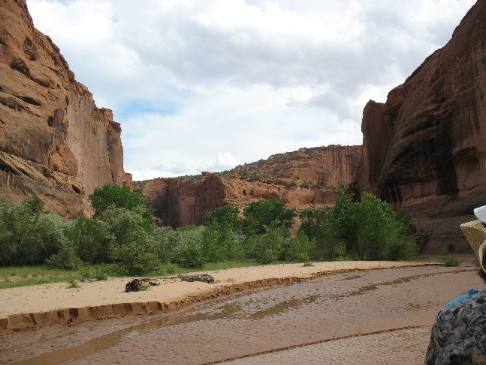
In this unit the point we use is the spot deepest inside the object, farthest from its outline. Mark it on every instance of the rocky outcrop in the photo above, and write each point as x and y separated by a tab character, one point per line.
54	141
302	179
425	148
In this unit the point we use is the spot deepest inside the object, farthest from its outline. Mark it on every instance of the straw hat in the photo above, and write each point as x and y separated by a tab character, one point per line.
475	233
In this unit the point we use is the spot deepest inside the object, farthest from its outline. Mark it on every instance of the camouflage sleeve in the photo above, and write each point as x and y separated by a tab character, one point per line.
459	334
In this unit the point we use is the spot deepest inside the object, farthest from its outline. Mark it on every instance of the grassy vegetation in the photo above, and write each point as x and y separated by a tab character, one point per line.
17	276
449	260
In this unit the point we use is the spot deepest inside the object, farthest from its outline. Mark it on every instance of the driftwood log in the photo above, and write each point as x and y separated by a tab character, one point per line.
205	278
139	284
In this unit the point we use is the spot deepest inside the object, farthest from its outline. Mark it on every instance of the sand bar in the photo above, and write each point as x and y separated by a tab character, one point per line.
32	306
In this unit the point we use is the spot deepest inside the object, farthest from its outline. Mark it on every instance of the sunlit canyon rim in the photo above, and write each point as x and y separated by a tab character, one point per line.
424	149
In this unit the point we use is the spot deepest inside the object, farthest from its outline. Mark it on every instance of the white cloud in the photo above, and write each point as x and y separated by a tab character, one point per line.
203	85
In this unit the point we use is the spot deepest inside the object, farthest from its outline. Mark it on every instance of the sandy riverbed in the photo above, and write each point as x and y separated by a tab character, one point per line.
372	316
32	306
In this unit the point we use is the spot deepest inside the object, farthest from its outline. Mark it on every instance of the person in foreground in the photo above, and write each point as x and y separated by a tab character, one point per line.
459	333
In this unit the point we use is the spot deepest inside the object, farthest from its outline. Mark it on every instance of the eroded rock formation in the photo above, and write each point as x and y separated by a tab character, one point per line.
54	141
302	179
425	148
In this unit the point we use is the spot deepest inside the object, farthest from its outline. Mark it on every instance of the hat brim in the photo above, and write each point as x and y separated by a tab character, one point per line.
475	234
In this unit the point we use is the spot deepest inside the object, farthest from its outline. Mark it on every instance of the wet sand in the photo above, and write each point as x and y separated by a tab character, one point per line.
378	316
406	346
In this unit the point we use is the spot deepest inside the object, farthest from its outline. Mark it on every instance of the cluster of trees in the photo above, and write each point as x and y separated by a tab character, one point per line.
122	231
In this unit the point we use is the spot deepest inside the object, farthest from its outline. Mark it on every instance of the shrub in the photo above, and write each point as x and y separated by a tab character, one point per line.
26	237
449	260
298	248
65	259
262	214
165	239
188	255
268	247
91	238
219	243
187	250
134	246
136	257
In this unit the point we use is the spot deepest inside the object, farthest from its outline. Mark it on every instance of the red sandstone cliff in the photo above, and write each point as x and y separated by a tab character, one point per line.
54	141
425	148
302	179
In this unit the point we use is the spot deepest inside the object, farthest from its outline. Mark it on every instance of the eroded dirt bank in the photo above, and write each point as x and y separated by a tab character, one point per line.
343	307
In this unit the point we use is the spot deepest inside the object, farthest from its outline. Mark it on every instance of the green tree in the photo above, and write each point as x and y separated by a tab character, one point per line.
91	239
225	216
220	239
320	226
134	246
27	237
188	250
117	196
262	214
381	232
298	248
269	246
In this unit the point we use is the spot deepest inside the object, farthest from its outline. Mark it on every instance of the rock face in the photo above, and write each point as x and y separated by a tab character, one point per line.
425	148
54	141
302	179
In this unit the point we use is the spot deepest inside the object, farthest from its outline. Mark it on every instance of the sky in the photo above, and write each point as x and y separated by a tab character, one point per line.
204	85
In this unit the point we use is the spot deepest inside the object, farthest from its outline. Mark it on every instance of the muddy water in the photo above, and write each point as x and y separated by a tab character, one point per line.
319	319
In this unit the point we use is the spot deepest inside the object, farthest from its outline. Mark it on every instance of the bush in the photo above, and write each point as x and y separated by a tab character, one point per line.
65	259
449	260
136	257
134	246
298	248
262	214
187	251
91	238
219	243
165	240
26	237
268	247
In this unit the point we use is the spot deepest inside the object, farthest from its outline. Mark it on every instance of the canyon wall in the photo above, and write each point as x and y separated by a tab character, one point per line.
54	141
425	148
302	179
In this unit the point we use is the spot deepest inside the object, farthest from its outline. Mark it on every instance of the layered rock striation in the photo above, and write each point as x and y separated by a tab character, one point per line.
54	141
302	179
425	148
